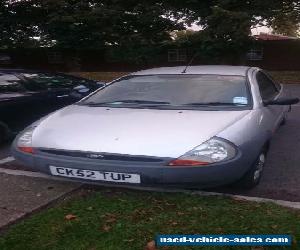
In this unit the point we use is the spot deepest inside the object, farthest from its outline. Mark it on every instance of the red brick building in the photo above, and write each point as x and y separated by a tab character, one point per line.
275	52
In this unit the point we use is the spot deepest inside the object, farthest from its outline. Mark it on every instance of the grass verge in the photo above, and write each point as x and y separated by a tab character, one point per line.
286	76
111	219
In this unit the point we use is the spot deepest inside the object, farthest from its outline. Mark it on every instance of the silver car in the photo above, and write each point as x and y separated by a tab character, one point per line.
203	126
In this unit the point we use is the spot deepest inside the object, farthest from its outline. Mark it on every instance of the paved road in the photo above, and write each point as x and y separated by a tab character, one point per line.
281	179
21	195
4	151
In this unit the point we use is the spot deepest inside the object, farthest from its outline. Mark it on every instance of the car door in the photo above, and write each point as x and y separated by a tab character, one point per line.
59	87
18	105
270	90
50	85
63	86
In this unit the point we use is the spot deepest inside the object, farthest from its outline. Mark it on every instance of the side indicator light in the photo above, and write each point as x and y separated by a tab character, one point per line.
179	162
28	150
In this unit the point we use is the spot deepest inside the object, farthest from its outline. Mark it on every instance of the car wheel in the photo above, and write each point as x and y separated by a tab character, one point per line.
254	174
283	122
2	135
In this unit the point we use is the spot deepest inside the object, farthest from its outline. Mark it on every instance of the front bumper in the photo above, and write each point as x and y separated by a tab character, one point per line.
151	174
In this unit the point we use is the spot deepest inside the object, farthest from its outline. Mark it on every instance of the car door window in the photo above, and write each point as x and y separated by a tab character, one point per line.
36	81
277	85
10	83
266	86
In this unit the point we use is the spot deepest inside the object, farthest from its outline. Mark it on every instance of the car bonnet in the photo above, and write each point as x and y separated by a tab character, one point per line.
148	132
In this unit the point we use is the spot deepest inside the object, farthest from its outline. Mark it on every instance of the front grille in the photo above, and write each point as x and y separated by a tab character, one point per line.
102	156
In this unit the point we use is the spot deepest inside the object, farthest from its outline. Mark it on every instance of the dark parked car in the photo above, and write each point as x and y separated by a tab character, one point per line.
25	96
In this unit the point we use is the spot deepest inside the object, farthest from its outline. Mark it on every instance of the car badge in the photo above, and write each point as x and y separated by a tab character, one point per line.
95	156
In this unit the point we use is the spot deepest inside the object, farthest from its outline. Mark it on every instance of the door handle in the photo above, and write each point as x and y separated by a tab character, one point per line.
62	96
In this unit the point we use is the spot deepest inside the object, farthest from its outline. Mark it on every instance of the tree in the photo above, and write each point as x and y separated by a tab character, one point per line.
18	24
86	24
226	24
286	22
137	25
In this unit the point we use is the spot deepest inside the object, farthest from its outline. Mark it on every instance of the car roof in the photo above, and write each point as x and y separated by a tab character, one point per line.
207	69
32	71
8	70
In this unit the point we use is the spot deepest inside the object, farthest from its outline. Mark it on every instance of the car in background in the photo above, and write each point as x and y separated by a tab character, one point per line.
201	126
26	96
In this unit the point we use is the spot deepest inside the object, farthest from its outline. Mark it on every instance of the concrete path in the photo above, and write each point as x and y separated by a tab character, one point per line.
21	195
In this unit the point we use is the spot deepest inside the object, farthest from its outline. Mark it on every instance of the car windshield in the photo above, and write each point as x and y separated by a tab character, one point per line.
173	90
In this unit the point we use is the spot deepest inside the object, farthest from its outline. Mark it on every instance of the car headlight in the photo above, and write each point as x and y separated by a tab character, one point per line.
24	142
211	151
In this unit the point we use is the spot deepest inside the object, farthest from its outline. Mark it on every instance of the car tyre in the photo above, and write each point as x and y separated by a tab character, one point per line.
3	135
283	122
254	174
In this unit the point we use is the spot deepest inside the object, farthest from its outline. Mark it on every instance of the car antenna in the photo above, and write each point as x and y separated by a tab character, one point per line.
190	62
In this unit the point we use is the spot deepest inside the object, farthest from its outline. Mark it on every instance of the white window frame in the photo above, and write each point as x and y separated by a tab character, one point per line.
255	54
177	55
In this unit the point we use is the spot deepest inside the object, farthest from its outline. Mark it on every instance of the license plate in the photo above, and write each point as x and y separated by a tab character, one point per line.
95	175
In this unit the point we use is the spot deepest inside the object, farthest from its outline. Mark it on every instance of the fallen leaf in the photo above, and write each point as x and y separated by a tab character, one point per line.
170	204
70	217
236	198
106	228
129	240
110	220
107	215
150	246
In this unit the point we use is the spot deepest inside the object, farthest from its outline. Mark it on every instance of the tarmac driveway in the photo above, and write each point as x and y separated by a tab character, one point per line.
281	179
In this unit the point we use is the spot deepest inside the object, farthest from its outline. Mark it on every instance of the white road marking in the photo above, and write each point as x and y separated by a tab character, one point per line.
23	173
6	160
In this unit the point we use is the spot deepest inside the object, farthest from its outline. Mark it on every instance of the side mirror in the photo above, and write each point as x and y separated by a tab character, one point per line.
80	91
101	84
282	101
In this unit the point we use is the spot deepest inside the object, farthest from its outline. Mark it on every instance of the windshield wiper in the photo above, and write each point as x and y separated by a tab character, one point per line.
214	104
142	102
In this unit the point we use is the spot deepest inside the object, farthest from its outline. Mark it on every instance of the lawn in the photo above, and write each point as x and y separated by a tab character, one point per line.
114	219
286	76
281	76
